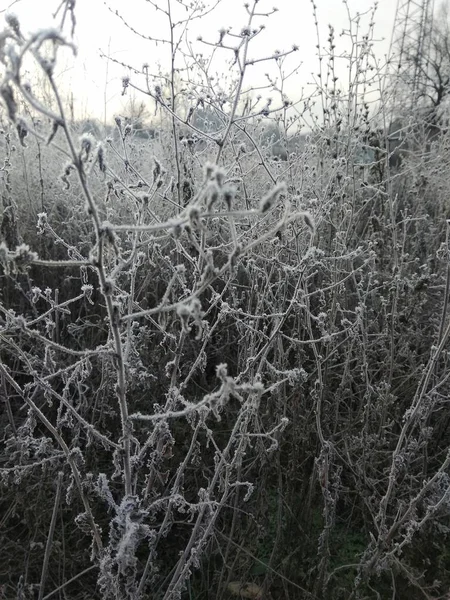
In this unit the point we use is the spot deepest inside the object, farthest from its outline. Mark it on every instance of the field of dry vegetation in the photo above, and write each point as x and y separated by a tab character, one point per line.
224	329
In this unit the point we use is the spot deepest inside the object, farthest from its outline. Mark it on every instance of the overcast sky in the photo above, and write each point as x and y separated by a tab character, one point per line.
96	84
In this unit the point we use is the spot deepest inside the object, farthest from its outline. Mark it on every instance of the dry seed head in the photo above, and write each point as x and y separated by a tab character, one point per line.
6	92
193	214
48	65
195	307
309	221
222	371
4	257
108	233
87	143
212	194
24	257
13	21
156	169
209	169
101	157
54	131
22	132
65	176
42	222
143	197
87	290
184	313
108	287
125	84
229	193
35	294
271	198
220	176
177	230
235	255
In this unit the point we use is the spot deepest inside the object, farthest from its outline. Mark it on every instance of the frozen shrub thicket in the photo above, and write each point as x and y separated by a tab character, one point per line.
224	332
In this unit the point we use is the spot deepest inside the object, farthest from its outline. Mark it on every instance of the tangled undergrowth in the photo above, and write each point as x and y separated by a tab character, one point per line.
223	372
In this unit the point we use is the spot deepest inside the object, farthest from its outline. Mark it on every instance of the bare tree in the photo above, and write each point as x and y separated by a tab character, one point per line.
434	66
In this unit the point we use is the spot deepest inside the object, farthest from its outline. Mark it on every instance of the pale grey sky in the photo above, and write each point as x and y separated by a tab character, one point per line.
97	85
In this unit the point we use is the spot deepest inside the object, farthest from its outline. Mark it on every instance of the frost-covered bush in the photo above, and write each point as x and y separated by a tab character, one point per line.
223	345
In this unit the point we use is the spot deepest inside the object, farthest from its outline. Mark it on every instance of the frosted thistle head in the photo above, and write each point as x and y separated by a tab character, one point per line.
184	313
13	22
7	95
208	170
156	169
219	175
193	214
125	84
87	142
212	194
271	198
42	222
101	158
229	192
309	221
